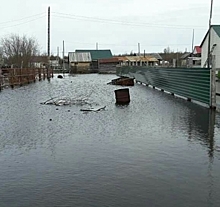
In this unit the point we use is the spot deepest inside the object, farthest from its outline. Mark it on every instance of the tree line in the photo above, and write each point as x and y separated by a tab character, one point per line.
19	50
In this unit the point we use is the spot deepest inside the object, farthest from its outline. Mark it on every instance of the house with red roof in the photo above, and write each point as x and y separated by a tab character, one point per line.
197	51
192	60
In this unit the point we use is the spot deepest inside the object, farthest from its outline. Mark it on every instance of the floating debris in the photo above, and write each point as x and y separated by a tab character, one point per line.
93	109
60	76
123	81
67	101
122	96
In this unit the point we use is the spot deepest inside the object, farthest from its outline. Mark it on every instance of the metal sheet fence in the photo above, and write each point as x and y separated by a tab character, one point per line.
192	83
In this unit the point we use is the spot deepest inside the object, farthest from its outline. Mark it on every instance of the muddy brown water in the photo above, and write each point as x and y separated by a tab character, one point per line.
157	151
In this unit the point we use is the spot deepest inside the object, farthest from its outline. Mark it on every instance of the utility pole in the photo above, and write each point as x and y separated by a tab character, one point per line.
63	58
177	58
193	40
58	58
139	49
97	45
58	53
48	42
209	40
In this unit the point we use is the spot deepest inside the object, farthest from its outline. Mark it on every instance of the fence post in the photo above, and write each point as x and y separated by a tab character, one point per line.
12	77
211	131
48	72
39	73
28	75
20	78
34	75
1	79
213	84
44	73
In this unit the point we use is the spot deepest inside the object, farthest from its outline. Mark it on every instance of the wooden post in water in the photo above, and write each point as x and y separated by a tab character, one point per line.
12	77
39	73
31	75
34	74
213	84
28	75
52	72
48	45
1	80
48	72
20	76
44	73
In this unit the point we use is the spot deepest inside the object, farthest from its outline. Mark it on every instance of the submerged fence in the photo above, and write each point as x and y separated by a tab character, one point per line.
191	83
20	76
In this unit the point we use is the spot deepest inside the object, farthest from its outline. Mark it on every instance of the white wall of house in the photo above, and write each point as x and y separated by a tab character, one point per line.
215	39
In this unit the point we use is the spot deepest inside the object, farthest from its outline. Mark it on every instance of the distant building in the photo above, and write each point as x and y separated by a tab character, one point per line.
54	64
39	61
214	46
197	51
79	62
42	62
96	55
109	65
195	59
138	60
154	55
192	60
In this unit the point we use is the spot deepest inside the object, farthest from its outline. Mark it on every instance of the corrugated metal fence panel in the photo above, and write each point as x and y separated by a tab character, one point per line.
193	83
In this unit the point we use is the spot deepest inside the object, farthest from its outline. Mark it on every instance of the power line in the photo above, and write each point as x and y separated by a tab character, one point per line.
23	22
16	20
112	21
133	45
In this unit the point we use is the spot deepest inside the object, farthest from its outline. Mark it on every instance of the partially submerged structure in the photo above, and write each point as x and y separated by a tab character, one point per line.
96	55
79	62
108	65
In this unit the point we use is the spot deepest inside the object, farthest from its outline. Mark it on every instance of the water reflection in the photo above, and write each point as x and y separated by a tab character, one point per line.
156	147
202	122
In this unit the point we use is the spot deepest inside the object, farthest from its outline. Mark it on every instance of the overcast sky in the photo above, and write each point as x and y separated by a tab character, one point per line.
118	25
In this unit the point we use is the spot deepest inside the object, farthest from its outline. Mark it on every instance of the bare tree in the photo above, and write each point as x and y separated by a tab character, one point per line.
19	50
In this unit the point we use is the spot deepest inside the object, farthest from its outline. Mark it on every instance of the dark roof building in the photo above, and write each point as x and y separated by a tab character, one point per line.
97	54
185	55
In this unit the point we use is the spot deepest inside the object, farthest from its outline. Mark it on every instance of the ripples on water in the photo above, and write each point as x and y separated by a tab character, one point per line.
157	151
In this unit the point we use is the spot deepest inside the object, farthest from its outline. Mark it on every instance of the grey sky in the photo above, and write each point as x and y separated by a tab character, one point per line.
115	24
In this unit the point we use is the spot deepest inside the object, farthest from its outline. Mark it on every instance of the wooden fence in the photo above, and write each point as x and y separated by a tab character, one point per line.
20	76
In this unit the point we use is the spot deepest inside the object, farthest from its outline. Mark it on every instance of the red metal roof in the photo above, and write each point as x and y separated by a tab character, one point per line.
197	50
109	60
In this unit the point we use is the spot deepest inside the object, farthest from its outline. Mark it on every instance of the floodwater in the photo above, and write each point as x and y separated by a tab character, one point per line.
157	151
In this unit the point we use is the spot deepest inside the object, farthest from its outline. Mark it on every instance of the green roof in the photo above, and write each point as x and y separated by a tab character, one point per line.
217	29
98	54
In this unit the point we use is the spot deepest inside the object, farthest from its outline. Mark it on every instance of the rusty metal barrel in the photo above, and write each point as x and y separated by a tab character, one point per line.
122	96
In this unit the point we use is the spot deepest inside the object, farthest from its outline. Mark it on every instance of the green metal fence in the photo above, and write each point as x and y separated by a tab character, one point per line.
192	83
